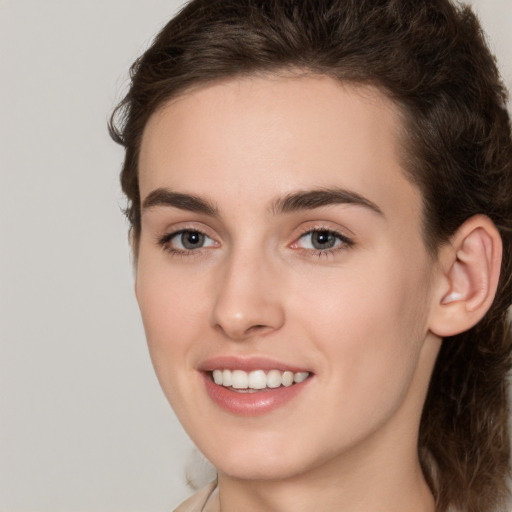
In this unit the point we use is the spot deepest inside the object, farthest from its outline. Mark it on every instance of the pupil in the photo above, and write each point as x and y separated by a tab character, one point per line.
192	239
323	240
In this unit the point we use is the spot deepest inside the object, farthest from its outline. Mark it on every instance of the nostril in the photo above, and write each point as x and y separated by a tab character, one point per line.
257	329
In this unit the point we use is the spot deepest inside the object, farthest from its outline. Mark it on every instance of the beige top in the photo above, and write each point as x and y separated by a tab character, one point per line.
205	500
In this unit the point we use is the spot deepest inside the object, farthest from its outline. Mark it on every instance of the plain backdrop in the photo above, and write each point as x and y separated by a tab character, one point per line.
84	426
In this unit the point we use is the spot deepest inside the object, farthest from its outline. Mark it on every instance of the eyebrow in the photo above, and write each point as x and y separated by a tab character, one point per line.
189	202
311	199
296	201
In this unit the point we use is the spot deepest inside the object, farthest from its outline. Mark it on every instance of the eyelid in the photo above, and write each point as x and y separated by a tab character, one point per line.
164	240
342	232
346	241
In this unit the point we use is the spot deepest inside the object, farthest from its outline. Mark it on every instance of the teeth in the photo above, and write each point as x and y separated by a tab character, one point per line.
217	377
240	379
257	379
274	378
300	376
287	379
226	379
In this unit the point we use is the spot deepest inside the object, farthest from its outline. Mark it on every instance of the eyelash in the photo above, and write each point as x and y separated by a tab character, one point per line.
165	240
343	242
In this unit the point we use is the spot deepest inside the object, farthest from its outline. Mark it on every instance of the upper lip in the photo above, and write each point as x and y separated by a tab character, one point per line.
248	364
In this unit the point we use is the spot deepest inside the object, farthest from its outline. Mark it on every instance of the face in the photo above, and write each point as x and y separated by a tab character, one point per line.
282	276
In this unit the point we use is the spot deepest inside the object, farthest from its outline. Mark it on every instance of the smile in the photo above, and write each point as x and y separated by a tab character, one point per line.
253	386
240	380
255	392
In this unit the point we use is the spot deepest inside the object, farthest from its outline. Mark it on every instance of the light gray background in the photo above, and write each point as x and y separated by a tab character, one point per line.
83	423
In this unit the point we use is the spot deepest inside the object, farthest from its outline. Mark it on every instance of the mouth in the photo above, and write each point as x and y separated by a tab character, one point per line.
253	386
242	381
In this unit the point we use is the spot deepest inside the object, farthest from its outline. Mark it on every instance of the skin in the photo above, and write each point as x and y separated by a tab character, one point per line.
357	317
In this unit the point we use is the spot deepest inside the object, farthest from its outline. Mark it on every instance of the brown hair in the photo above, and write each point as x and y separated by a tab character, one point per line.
430	58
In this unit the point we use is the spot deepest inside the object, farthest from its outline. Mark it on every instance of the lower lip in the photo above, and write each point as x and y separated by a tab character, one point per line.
251	404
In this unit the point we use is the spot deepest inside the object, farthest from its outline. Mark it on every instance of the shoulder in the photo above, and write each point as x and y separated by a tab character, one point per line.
197	501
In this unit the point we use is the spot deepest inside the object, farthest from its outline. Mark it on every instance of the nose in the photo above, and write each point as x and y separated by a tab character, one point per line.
247	300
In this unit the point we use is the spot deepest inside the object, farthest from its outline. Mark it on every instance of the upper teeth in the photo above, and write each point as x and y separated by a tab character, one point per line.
257	379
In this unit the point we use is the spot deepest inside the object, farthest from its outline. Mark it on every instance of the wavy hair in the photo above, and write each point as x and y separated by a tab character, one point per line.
430	58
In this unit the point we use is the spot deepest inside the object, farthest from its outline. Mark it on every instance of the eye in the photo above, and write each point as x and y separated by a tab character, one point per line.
319	240
186	240
322	240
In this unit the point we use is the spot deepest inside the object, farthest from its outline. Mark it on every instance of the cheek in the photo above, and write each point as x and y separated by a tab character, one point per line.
171	313
173	322
368	326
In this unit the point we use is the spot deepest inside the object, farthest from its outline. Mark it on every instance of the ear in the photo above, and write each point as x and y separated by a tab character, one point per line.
469	273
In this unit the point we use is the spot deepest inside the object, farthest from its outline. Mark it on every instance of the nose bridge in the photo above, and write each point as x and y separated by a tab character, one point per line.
247	297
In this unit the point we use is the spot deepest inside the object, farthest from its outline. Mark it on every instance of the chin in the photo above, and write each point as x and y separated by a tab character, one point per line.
261	470
259	461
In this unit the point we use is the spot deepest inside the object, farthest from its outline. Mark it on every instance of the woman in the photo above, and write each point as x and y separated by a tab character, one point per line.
320	201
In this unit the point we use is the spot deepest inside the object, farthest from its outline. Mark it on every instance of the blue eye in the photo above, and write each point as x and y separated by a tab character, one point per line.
323	240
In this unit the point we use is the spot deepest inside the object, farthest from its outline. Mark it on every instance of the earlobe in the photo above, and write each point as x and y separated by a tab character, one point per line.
470	268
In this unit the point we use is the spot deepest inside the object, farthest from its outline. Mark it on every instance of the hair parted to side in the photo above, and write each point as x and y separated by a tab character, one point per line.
430	58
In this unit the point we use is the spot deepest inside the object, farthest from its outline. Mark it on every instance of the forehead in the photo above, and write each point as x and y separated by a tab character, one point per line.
272	135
